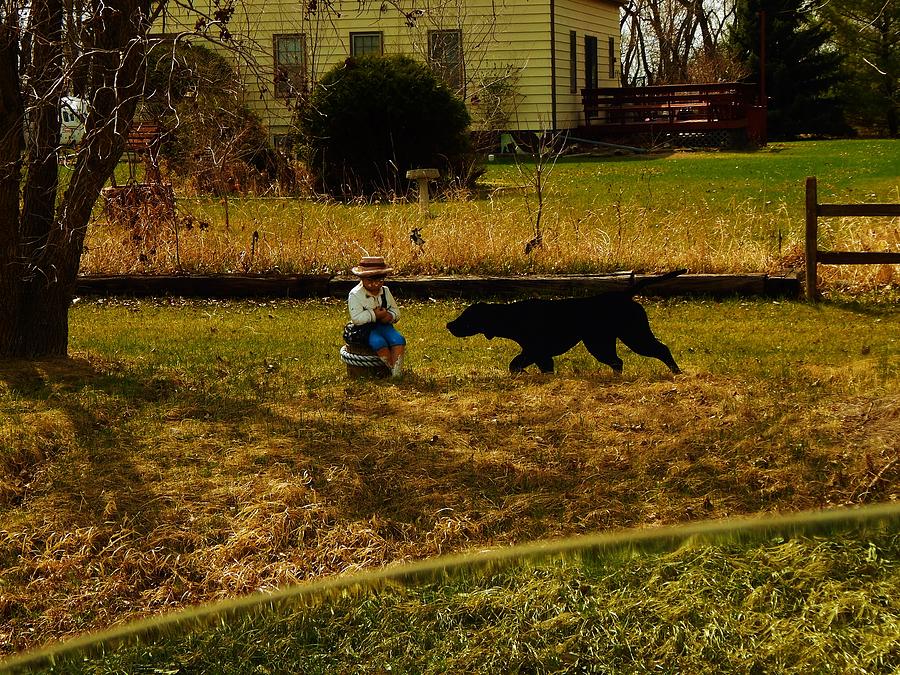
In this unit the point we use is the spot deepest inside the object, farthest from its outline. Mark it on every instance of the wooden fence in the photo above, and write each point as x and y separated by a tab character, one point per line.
816	257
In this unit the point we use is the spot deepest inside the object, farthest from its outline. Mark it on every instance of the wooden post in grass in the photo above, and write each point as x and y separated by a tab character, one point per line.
422	176
812	237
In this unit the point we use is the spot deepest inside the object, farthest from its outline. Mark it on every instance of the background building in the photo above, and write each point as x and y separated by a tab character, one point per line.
518	64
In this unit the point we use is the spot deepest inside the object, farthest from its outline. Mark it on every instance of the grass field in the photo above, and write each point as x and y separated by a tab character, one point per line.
191	452
196	451
705	211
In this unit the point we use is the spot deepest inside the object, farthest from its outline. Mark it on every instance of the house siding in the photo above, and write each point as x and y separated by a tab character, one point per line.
497	36
585	17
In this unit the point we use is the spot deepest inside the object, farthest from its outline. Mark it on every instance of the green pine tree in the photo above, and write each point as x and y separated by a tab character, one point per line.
868	32
802	68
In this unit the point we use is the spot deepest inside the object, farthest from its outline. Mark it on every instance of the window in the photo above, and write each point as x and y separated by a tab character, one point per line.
290	64
445	56
283	142
612	58
573	62
362	44
590	62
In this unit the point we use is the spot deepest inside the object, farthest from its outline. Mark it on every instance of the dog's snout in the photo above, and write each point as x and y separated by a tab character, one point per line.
456	328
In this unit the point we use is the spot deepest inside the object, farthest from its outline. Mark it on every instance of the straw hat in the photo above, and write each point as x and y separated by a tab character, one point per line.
372	266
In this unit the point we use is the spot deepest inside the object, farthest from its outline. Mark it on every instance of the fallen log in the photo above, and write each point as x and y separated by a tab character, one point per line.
206	286
318	286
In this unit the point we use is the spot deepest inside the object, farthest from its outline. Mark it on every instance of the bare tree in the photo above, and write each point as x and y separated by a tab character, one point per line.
540	152
662	39
48	49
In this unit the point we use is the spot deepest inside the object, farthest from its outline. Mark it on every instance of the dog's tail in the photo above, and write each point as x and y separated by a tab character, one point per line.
647	281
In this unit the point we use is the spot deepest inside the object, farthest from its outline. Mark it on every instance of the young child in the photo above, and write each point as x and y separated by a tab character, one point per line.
370	301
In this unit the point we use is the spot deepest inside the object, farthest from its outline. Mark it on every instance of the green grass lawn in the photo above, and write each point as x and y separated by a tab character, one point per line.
791	595
847	171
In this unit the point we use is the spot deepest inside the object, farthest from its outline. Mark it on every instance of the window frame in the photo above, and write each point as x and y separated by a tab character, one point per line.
611	45
573	62
289	78
591	65
367	33
453	75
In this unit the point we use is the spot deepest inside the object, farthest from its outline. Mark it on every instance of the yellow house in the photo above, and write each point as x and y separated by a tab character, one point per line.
518	64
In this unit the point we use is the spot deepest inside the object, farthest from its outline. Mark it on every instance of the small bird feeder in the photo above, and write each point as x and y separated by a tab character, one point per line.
422	176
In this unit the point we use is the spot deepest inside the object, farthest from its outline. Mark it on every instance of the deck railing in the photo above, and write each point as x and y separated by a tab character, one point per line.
728	105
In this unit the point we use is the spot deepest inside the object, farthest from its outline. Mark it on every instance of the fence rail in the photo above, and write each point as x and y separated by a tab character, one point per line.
816	257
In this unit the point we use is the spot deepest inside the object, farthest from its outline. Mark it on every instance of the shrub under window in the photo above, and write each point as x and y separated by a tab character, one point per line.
371	119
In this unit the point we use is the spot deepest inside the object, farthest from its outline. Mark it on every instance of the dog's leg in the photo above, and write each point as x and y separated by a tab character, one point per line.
648	345
664	355
635	334
545	363
604	350
520	363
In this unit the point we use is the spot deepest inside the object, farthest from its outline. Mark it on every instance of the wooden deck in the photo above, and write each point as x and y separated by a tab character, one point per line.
682	108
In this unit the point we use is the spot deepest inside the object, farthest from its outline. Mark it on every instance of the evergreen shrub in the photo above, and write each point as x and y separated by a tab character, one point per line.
371	119
802	69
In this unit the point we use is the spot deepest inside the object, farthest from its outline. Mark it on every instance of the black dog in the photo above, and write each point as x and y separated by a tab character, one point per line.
548	328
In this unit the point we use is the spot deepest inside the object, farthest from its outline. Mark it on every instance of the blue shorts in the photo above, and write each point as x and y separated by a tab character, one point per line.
384	335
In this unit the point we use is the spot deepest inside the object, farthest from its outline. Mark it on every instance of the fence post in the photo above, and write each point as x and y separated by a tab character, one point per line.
812	238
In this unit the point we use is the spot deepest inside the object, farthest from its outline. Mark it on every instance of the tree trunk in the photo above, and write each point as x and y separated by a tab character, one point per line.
41	243
44	321
12	142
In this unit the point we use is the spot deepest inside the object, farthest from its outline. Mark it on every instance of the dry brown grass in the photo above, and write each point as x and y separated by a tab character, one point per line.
706	212
470	237
346	477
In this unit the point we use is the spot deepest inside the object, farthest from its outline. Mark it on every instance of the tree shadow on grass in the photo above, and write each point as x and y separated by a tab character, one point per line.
358	460
258	492
359	464
78	409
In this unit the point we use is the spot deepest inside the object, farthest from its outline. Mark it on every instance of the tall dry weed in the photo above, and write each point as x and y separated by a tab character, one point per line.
489	234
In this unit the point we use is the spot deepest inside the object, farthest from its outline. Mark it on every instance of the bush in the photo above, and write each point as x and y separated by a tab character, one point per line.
371	119
209	135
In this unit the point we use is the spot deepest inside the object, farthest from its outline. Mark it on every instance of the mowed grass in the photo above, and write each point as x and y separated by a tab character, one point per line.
709	212
766	603
196	451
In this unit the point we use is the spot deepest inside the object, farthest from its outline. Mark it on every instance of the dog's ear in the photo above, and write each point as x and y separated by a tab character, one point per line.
483	311
474	312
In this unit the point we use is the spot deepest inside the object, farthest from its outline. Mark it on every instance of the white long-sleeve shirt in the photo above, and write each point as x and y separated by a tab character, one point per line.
362	305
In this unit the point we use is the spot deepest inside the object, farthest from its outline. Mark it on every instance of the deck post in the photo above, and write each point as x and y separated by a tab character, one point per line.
812	238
